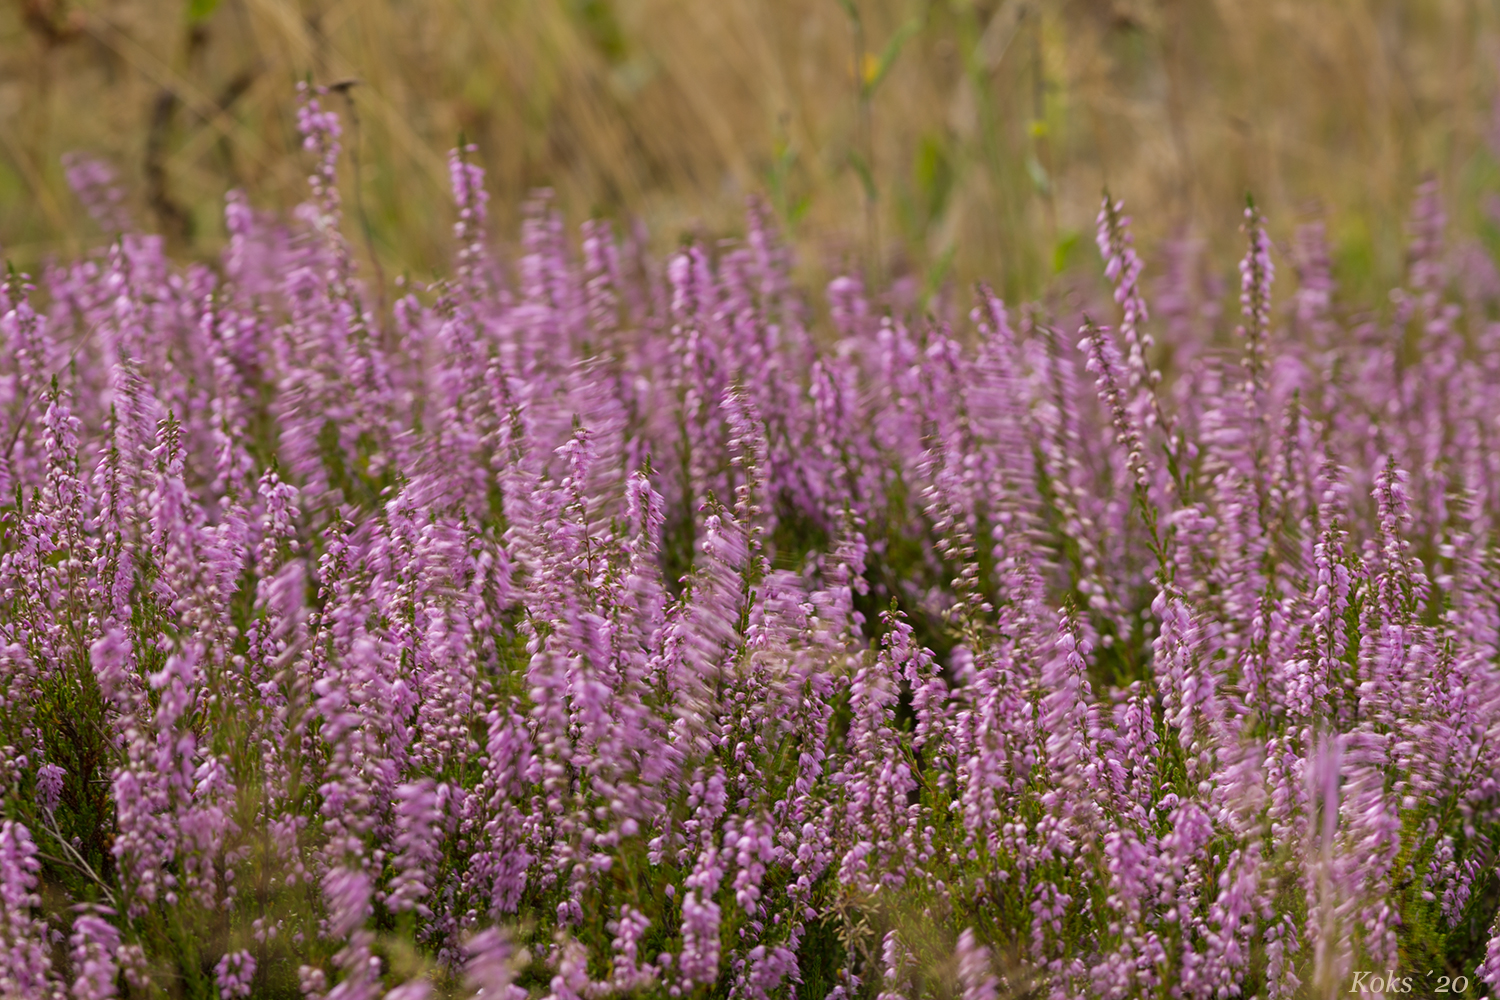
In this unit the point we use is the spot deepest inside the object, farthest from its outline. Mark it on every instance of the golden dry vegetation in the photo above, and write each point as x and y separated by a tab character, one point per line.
930	138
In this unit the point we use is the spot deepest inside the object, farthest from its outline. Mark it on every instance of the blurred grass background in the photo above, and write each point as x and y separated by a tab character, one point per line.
925	139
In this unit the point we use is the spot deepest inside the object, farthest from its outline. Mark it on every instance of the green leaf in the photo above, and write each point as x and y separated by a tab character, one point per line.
937	273
199	10
602	28
850	9
799	209
1038	174
1489	237
779	177
1063	253
889	53
933	172
866	176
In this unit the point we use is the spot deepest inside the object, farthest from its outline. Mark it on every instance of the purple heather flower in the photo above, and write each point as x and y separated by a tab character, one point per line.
234	973
93	946
49	784
25	952
974	974
97	186
490	966
699	961
613	583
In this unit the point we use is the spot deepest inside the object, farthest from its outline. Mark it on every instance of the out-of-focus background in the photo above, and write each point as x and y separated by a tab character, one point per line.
931	140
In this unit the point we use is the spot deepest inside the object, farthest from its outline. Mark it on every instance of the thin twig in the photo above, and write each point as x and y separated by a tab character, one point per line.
49	824
346	87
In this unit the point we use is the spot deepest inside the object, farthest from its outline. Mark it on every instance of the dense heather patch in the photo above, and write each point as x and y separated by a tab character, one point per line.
607	630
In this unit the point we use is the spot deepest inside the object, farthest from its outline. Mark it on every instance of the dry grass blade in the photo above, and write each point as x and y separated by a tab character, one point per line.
992	129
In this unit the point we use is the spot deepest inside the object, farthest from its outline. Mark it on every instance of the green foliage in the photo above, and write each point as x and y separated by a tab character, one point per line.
199	11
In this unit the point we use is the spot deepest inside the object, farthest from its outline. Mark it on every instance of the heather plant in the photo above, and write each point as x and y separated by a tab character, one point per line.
589	625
